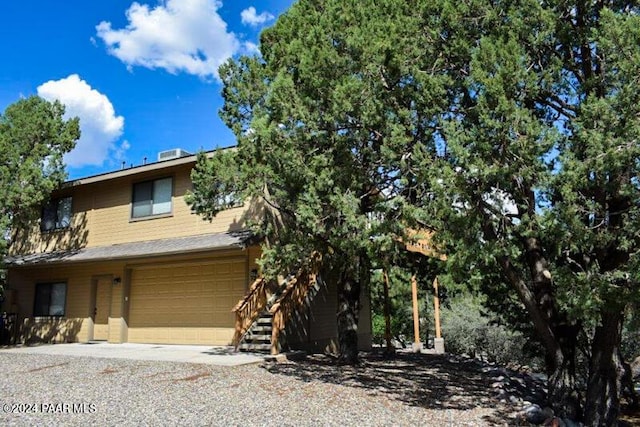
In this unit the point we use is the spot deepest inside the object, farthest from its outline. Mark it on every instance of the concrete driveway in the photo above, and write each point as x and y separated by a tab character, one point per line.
221	356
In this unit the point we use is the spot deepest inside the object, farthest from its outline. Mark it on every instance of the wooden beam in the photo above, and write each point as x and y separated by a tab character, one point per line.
387	314
416	314
421	242
436	306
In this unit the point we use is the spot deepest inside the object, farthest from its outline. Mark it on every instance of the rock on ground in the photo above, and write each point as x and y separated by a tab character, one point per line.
407	390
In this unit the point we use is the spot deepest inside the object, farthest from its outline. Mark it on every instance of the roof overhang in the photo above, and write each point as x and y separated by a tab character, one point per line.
136	250
134	170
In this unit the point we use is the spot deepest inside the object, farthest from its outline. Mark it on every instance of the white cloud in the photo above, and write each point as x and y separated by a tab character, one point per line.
251	48
250	17
99	124
177	35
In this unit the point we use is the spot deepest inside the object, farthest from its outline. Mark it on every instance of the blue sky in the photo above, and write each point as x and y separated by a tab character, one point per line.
142	76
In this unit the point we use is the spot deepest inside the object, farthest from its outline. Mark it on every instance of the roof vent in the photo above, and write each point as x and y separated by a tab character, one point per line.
175	153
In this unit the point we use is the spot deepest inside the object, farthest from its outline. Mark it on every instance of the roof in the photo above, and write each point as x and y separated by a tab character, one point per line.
133	170
172	246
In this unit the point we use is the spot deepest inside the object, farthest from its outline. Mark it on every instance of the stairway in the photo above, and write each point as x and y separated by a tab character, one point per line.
259	335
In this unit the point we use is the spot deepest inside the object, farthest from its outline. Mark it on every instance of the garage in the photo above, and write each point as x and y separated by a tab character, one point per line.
186	303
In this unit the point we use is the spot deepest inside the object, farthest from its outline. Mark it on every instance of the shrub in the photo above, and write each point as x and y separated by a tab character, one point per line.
468	330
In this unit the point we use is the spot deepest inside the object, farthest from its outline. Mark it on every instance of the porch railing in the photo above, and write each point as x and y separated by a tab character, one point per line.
292	299
249	308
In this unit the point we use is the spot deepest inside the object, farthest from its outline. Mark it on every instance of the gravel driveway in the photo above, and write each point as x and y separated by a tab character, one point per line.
65	390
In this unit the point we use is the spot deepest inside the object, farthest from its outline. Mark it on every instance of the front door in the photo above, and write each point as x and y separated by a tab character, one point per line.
101	311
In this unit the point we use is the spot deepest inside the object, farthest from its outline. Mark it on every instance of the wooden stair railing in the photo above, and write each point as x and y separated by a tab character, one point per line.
249	308
292	295
292	298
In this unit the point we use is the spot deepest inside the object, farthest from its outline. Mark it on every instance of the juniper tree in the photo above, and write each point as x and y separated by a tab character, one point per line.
34	136
510	127
322	119
538	175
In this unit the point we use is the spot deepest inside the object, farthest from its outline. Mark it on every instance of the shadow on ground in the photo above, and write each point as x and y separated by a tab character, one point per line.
430	381
221	351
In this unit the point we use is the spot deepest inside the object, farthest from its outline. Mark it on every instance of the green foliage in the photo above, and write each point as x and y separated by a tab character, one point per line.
215	194
324	119
511	128
631	335
537	189
34	136
469	330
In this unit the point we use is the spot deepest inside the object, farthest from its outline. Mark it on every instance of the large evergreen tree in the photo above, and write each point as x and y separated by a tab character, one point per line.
538	179
322	121
511	127
34	136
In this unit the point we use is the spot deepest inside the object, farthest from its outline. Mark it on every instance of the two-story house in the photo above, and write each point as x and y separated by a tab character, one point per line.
121	257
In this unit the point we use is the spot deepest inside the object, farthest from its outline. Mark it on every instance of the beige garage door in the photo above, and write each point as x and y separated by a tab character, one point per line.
186	303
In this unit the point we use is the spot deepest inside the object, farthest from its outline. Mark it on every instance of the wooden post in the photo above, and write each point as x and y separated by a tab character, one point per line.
436	306
438	341
387	314
417	346
276	327
238	333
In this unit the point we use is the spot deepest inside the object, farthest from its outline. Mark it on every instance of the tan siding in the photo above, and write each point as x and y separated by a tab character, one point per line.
255	252
102	216
74	326
54	330
316	327
323	314
185	304
116	301
116	321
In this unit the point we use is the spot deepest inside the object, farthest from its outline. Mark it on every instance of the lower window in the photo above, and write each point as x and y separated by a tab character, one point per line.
50	299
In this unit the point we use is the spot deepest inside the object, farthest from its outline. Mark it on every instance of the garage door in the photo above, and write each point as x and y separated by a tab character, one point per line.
185	303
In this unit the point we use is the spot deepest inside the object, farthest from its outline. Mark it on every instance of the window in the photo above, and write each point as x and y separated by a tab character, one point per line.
56	214
152	198
50	299
228	201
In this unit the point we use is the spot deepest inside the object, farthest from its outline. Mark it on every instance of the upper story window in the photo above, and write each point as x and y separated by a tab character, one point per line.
56	214
50	299
152	198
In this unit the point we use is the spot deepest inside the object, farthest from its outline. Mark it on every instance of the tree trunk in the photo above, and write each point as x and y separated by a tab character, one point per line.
626	379
387	315
562	395
604	384
557	336
348	309
560	344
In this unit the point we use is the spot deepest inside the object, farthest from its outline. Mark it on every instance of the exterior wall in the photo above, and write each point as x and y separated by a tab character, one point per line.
316	328
102	216
175	299
116	319
76	325
188	302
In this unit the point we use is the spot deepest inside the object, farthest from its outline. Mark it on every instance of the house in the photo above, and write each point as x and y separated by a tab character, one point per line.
120	257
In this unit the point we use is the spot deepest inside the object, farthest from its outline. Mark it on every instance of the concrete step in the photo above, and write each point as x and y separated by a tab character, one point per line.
260	328
252	333
257	339
254	347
